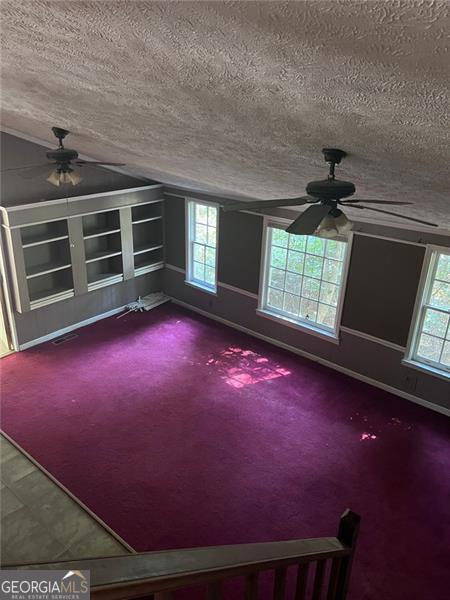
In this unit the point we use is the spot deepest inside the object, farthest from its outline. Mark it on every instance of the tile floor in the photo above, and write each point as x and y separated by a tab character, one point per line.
39	521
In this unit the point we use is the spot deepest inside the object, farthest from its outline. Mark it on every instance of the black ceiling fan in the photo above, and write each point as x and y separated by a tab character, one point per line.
63	162
324	217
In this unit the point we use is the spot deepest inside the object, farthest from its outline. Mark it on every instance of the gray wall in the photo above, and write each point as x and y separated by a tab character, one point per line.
15	190
43	321
16	152
381	289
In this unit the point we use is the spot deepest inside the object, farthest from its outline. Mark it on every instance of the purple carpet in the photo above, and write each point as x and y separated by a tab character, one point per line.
181	432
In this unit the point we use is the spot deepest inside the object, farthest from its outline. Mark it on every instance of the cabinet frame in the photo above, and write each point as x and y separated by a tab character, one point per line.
72	210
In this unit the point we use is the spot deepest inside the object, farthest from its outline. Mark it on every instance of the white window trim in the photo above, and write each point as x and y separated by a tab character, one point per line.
326	334
189	280
426	276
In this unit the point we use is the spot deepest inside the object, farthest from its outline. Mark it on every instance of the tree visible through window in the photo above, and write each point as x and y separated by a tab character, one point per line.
202	240
431	342
303	278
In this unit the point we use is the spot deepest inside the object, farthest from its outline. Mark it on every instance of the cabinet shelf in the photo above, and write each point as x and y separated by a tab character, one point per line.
146	220
148	268
46	269
102	255
104	279
42	233
50	295
45	240
101	232
143	249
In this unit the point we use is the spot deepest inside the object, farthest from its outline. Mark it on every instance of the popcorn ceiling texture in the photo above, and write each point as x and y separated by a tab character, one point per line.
240	97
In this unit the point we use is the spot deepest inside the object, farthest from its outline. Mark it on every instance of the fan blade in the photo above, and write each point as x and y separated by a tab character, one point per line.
98	163
268	203
37	171
387	212
309	220
28	168
352	201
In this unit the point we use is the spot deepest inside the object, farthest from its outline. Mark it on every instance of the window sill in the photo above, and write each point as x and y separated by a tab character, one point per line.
203	288
428	369
304	327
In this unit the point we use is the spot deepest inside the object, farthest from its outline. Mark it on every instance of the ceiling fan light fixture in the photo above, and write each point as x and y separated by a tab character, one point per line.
327	228
342	224
74	177
59	177
54	178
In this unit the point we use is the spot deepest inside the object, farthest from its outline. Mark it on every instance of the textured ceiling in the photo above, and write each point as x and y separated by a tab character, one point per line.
239	97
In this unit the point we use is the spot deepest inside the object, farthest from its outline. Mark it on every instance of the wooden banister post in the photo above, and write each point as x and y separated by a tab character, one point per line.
347	535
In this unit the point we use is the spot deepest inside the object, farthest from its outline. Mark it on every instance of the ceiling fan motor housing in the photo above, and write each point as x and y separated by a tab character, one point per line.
62	155
330	189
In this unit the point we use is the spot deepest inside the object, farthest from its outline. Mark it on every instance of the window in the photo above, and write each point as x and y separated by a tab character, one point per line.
303	279
202	245
430	340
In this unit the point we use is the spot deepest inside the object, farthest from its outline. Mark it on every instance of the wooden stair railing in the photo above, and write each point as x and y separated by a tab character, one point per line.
323	568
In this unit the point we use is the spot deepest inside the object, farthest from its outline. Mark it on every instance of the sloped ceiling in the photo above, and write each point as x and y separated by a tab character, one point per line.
240	97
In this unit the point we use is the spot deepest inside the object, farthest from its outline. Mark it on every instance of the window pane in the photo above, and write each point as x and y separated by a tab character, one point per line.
326	315
275	298
435	322
329	293
212	236
432	335
200	233
280	238
295	280
443	268
311	288
291	304
313	266
430	347
210	275
297	242
315	245
276	279
308	309
212	216
293	283
199	271
199	253
210	257
332	270
445	358
295	261
335	249
278	257
201	213
440	295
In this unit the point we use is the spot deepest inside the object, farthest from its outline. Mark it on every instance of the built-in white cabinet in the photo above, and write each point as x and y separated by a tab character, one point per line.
56	251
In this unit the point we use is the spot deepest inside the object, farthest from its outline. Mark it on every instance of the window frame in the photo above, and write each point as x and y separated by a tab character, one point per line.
189	223
331	335
427	277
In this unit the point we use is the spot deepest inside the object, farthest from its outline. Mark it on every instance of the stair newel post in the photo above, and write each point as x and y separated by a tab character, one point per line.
347	535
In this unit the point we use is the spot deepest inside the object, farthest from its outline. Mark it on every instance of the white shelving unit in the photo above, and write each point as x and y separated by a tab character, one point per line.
47	261
148	238
58	249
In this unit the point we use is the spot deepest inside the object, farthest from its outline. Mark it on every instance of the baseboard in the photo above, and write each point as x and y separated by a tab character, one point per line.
115	535
383	386
59	332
